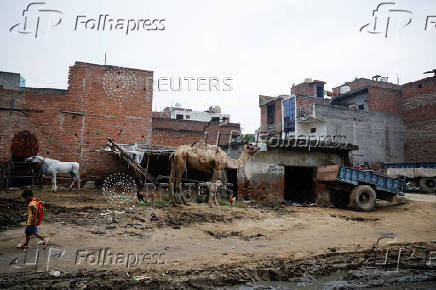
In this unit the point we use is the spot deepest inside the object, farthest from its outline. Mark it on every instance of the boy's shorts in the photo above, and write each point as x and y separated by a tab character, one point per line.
31	230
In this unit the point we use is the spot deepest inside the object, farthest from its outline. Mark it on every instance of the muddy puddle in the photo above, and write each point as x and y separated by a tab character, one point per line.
417	270
365	278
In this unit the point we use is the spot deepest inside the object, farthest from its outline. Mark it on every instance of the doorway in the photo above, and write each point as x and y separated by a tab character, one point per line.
299	184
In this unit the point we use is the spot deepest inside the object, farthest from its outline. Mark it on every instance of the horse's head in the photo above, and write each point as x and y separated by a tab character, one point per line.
35	159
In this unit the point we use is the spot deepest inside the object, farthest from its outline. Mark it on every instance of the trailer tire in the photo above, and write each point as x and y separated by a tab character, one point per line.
428	184
363	198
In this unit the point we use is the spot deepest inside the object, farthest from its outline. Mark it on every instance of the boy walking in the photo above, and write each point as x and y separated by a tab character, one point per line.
32	221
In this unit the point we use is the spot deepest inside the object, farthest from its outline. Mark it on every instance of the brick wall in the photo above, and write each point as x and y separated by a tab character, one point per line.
384	100
419	113
304	89
172	132
101	101
363	82
277	117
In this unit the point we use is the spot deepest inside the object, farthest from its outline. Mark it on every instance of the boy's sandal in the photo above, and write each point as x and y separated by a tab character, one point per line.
22	246
43	243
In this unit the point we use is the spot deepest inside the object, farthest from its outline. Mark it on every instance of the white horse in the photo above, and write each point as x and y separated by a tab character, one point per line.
55	166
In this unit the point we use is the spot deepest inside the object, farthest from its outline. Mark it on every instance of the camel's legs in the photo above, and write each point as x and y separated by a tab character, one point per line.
214	197
212	192
217	176
177	169
171	188
179	175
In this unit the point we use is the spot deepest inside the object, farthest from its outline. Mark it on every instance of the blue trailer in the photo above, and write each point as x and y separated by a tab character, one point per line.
379	182
351	187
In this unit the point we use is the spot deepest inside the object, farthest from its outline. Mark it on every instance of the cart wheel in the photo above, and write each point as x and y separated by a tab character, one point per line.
188	195
363	198
428	184
340	199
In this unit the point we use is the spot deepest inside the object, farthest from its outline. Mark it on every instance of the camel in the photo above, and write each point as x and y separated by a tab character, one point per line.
206	158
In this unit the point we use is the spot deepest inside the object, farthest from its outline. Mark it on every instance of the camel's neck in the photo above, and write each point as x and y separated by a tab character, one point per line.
237	163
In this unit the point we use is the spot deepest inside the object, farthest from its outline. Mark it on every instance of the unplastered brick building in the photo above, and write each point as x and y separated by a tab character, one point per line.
419	113
376	95
101	102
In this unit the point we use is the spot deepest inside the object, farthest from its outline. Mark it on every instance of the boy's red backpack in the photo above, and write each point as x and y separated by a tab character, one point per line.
39	211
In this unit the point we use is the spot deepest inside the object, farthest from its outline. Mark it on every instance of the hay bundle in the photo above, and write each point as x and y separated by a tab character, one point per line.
24	144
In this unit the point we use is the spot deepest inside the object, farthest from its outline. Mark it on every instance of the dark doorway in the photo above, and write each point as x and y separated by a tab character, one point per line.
299	183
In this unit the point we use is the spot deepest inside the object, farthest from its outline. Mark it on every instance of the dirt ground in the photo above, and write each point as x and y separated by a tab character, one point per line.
197	246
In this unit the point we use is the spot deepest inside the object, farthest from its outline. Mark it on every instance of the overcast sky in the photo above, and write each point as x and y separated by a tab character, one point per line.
264	46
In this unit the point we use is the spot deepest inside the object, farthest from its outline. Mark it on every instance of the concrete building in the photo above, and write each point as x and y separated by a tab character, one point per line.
211	114
287	173
379	135
414	102
364	112
10	80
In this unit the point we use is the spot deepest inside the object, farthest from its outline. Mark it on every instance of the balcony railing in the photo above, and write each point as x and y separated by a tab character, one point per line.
303	113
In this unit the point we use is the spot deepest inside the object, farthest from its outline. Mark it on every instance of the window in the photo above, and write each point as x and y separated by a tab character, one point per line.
270	114
179	117
188	117
312	130
320	91
215	119
289	115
